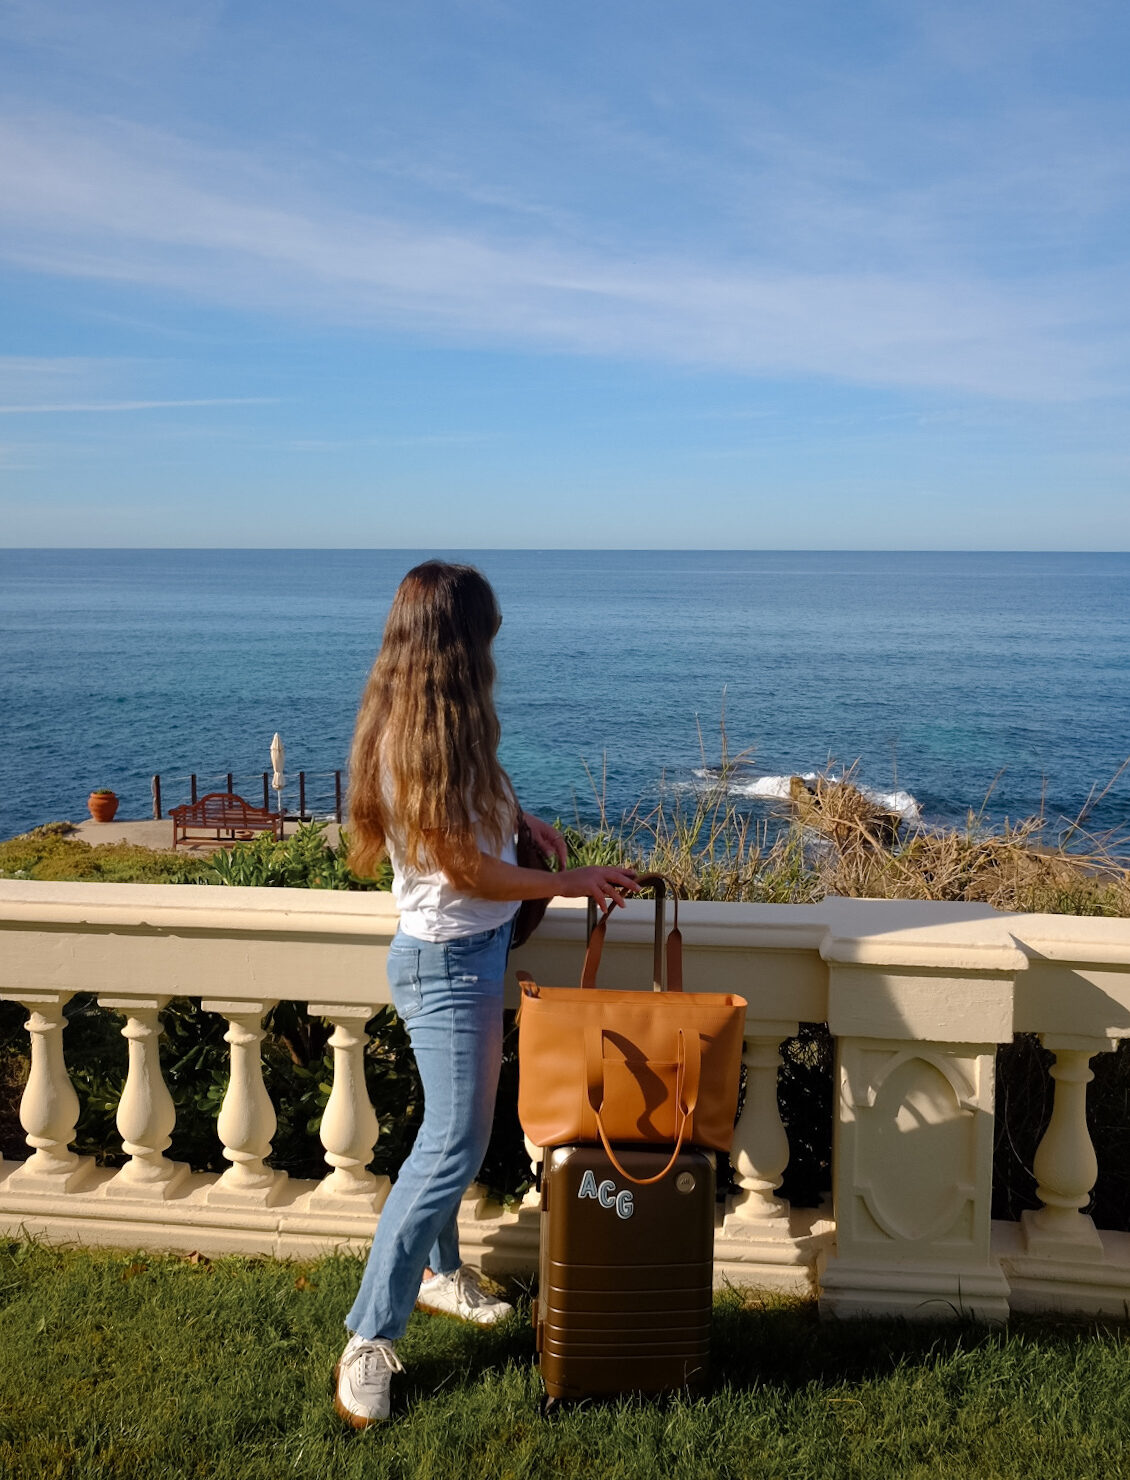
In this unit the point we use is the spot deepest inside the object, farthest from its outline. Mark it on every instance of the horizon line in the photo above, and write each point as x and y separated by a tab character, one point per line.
554	550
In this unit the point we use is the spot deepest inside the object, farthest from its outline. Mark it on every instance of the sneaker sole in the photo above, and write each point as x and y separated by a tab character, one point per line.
354	1420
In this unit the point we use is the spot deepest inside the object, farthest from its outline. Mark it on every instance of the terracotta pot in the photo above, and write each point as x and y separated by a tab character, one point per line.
102	806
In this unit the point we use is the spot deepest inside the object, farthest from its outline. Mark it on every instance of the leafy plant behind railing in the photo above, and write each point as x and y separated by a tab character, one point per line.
305	860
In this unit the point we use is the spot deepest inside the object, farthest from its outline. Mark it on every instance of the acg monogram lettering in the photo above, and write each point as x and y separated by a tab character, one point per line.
606	1195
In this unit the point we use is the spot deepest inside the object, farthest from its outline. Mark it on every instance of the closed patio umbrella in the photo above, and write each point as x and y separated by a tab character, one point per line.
278	780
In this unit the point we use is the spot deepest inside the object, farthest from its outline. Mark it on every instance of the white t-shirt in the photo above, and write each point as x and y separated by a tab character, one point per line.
431	908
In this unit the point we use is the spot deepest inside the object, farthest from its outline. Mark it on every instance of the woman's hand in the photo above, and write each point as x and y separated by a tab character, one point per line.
547	840
596	881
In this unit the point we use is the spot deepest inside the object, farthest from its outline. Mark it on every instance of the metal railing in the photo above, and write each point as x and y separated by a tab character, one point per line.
321	794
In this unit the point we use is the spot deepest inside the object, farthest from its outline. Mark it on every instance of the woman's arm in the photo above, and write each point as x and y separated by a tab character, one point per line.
493	879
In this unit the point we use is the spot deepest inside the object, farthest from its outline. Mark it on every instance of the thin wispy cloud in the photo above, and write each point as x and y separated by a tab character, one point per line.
61	407
44	377
129	205
15	459
424	439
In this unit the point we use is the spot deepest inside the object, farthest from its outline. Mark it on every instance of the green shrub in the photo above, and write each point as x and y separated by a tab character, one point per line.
49	853
306	860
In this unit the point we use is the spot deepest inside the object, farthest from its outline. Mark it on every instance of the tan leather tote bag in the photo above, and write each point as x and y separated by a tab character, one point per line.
630	1066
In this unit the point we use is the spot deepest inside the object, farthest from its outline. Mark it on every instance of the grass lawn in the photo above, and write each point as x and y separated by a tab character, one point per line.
139	1365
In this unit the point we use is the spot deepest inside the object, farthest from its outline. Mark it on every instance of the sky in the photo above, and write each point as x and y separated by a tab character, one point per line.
473	274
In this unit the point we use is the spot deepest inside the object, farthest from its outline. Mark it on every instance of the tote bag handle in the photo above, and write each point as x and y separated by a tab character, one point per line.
687	1080
598	929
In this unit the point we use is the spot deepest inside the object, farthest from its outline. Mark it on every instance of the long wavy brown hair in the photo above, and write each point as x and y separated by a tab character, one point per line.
424	762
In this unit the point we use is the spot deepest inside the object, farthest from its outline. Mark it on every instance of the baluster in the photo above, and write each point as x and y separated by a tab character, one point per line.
146	1114
349	1123
246	1122
1065	1164
760	1152
49	1106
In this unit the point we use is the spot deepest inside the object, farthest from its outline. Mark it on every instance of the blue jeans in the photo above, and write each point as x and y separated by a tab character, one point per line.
449	994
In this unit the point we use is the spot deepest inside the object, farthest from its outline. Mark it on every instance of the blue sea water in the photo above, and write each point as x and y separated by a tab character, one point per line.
945	675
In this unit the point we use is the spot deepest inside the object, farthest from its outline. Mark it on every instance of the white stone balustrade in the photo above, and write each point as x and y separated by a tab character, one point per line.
1065	1164
760	1152
349	1123
774	1248
146	1114
49	1107
916	995
246	1123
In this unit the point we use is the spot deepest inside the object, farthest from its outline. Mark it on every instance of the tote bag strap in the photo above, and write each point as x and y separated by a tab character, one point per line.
598	929
687	1080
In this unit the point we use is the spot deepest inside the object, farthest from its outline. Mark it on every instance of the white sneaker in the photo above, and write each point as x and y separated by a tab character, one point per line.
460	1295
361	1381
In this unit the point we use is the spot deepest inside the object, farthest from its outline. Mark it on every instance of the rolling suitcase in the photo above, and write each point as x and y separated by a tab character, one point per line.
626	1272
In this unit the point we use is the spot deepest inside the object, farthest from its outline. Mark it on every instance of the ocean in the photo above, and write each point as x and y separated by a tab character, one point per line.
949	681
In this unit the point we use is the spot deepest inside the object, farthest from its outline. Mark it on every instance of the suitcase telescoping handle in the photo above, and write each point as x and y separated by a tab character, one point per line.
598	929
687	1079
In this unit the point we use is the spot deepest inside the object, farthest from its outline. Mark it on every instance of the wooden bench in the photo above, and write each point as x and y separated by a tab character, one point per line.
221	817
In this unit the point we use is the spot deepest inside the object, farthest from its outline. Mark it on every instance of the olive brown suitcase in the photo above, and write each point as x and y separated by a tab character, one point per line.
626	1271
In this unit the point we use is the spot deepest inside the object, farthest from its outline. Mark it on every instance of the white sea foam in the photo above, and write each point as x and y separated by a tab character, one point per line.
901	803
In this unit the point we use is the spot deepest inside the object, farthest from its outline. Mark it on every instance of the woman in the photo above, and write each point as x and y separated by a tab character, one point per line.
427	789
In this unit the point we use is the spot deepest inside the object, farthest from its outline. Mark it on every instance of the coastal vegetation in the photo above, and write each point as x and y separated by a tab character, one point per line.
828	838
836	841
51	854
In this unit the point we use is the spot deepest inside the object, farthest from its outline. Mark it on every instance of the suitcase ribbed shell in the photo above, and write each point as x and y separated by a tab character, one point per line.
626	1272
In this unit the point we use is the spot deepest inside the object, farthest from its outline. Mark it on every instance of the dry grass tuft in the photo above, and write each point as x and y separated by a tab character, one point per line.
1014	869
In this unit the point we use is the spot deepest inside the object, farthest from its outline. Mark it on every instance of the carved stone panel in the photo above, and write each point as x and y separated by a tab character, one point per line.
914	1163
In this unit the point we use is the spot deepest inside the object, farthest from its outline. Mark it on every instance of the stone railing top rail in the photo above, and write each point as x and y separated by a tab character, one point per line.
912	969
211	907
871	932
